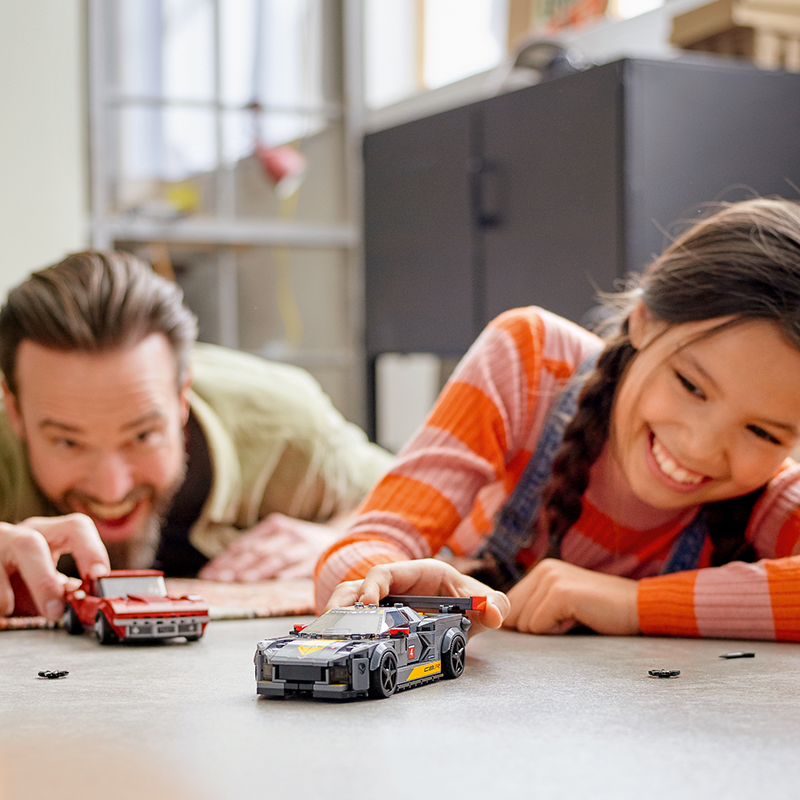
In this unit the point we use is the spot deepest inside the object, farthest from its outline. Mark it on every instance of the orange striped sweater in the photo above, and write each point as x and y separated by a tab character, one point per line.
456	472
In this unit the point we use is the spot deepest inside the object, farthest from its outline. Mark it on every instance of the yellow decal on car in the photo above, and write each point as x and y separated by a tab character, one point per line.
307	649
425	669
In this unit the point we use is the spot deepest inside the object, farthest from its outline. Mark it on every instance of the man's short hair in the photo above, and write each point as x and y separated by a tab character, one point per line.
95	302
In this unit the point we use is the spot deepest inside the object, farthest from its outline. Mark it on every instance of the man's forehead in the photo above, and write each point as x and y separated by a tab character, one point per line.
142	374
154	350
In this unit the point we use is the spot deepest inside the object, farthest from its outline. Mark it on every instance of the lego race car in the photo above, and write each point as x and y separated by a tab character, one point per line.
130	605
368	650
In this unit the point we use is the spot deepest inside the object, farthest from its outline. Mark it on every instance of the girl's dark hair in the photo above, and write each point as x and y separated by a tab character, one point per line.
742	262
94	302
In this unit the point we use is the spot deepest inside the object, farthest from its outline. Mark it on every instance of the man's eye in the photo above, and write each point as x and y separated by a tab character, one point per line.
689	386
148	437
763	434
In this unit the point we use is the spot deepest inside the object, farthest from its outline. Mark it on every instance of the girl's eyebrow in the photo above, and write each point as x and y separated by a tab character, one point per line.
695	364
784	426
791	430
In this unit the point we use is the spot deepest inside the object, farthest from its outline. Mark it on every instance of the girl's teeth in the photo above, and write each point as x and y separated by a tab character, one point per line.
671	469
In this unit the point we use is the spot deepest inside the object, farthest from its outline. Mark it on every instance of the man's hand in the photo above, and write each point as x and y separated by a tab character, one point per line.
426	576
556	596
30	551
277	547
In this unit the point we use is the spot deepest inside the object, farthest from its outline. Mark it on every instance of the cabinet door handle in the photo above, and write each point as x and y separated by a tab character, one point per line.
487	192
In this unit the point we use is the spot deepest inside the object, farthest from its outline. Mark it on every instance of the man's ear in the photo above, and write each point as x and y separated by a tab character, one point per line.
183	395
640	322
12	411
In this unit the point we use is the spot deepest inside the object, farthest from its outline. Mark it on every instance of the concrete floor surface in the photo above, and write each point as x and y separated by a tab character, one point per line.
540	717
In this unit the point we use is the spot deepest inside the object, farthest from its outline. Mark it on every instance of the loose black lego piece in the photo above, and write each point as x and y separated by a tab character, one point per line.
53	674
664	673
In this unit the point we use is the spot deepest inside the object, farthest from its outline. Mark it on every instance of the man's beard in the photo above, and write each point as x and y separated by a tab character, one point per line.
138	551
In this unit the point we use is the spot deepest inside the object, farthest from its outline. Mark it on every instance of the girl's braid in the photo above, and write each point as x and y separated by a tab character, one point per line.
584	438
727	522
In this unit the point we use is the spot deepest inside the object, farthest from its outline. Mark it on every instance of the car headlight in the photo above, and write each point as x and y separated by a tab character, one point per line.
339	672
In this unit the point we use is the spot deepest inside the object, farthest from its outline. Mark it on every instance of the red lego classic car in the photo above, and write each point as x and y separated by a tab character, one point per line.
133	605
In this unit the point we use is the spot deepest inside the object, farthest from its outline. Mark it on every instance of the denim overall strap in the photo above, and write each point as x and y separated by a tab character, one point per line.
685	553
513	523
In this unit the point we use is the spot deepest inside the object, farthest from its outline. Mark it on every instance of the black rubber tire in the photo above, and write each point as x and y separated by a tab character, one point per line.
453	658
383	680
103	630
72	621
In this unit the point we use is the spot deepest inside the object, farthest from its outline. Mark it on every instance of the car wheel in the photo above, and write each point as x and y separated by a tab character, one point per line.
102	628
453	658
72	621
383	680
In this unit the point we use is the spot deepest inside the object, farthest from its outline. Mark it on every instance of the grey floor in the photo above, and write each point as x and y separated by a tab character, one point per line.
540	717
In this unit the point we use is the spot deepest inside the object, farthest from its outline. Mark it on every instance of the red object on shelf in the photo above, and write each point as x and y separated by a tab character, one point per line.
284	166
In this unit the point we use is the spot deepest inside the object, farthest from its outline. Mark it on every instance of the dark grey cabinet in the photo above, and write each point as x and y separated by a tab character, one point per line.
547	194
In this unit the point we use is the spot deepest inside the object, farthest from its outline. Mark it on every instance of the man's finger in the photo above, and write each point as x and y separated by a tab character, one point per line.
262	568
75	534
6	595
26	552
299	570
230	567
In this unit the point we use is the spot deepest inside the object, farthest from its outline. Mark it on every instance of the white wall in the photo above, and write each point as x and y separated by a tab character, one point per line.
43	194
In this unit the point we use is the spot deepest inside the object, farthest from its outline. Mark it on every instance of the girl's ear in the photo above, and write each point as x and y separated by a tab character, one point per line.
640	322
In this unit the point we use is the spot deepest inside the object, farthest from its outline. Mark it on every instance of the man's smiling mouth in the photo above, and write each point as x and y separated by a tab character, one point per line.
111	511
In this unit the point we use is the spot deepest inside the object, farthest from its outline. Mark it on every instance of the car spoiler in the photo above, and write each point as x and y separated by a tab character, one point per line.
442	604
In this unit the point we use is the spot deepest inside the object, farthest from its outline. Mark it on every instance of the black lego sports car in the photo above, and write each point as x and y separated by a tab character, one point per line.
368	650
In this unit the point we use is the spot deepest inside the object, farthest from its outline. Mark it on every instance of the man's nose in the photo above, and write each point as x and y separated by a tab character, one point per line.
111	478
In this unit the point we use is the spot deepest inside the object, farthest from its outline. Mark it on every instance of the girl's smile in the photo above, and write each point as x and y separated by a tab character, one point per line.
665	468
704	412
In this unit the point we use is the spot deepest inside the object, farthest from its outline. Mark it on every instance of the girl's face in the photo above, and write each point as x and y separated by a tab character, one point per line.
697	420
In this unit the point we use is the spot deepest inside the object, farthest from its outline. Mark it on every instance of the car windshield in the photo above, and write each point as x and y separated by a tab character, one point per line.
152	585
349	622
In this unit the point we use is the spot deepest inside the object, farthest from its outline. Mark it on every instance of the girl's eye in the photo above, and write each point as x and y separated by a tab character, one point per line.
762	434
689	386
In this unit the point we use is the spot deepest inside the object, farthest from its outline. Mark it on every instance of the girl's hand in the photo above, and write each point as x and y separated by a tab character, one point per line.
426	576
556	596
